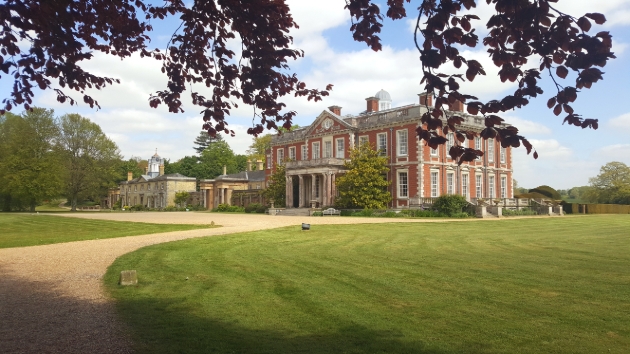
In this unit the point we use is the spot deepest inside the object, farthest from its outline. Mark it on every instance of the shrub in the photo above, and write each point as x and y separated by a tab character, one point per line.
138	207
547	191
317	213
450	204
261	209
229	208
251	208
522	212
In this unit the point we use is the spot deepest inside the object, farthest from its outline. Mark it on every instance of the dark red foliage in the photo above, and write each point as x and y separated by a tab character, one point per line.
198	54
520	30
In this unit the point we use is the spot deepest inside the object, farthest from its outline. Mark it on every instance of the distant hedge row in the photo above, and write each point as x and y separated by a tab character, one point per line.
576	208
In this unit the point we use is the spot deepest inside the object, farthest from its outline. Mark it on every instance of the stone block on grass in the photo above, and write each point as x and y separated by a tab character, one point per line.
128	277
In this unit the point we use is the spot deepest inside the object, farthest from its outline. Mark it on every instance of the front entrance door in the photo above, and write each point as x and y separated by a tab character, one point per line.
296	192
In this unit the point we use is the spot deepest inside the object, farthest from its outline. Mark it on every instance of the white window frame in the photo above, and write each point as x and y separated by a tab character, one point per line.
269	161
305	152
465	185
381	144
280	156
403	184
364	139
502	152
435	184
450	183
503	186
450	141
315	150
340	148
490	150
477	143
292	153
491	187
402	142
479	186
328	148
434	152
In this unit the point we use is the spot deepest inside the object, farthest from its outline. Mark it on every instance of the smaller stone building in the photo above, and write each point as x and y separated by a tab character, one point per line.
154	189
158	192
240	189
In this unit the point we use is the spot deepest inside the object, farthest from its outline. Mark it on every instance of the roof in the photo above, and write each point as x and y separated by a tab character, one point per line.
171	176
248	176
383	95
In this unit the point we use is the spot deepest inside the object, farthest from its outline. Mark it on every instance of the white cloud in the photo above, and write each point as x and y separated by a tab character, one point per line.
527	127
616	152
620	123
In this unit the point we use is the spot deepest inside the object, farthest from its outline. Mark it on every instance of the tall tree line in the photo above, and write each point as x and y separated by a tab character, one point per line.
212	154
44	157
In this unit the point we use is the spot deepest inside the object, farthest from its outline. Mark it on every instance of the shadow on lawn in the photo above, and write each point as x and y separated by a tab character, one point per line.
34	318
173	329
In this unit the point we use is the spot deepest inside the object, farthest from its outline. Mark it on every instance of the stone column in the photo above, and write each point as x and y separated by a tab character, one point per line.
325	188
288	200
222	197
333	187
300	191
229	196
313	186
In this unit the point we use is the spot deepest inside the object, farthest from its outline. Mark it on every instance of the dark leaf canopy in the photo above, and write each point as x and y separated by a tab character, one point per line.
198	55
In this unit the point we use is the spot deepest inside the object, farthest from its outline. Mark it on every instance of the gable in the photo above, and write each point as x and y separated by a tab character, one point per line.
327	122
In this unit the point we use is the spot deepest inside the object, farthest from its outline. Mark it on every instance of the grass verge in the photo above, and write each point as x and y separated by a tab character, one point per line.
553	285
19	230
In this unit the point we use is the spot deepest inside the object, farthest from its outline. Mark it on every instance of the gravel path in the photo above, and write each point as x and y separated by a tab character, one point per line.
52	299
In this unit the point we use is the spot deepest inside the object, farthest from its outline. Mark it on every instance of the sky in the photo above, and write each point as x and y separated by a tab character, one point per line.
568	155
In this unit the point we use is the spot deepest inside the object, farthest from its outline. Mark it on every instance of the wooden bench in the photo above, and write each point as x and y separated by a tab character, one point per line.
331	211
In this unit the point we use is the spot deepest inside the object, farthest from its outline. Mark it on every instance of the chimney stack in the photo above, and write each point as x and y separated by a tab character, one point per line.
249	165
457	106
161	169
426	99
224	170
372	104
259	164
335	109
129	175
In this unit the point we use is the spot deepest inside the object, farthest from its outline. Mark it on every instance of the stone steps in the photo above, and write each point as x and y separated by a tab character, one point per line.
296	212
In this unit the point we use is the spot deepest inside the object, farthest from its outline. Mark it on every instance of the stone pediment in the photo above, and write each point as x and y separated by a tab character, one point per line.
327	122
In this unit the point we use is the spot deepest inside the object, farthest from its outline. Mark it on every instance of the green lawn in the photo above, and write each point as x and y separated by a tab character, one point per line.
553	285
18	230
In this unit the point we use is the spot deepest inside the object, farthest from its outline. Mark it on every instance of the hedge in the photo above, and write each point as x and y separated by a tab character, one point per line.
576	208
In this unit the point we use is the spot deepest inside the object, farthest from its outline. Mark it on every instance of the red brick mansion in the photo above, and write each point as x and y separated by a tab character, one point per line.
315	155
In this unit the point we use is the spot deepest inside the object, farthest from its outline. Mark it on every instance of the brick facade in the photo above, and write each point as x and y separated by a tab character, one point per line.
416	171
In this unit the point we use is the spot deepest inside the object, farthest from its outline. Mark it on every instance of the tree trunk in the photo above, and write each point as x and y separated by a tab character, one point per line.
33	204
73	204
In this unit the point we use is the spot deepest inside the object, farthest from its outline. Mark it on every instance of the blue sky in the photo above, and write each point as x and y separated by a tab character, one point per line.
568	155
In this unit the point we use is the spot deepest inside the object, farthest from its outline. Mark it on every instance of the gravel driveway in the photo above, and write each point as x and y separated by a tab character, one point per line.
52	299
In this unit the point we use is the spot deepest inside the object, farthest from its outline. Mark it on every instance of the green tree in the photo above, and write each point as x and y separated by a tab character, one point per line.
258	149
135	165
578	193
611	186
90	159
364	184
186	166
181	198
213	159
203	140
30	169
277	189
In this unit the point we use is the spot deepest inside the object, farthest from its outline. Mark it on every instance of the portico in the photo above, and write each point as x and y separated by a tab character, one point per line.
312	182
